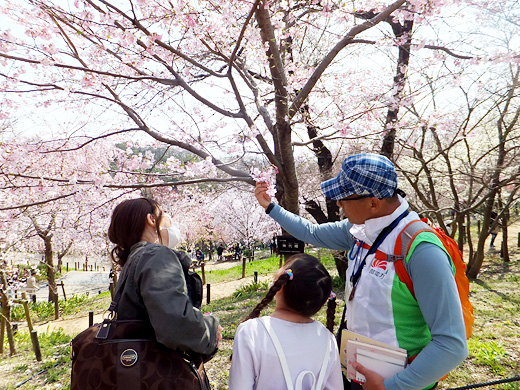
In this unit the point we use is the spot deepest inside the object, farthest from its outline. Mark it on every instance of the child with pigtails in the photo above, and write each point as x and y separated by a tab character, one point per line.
288	349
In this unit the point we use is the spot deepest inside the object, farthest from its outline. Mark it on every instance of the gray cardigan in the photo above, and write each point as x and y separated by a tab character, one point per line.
156	290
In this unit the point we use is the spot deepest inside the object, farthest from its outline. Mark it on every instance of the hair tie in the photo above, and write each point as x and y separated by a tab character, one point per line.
290	273
332	295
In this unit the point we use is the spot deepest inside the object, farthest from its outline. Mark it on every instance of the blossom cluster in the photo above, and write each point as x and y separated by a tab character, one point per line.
268	176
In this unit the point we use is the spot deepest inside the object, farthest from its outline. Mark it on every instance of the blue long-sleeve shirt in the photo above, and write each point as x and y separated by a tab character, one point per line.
435	290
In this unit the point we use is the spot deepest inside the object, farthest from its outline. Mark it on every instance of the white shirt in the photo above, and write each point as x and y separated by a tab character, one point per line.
31	284
255	363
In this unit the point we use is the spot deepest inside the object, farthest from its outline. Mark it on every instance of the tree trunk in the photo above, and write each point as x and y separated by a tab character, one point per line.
324	157
469	238
477	259
505	243
400	31
51	271
462	231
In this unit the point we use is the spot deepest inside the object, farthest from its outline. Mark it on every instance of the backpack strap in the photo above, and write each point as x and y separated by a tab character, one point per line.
321	374
279	351
380	255
285	366
402	246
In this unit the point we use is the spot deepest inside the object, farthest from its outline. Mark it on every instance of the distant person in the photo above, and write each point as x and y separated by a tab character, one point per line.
289	334
272	246
495	230
237	252
32	283
155	288
430	326
220	251
199	255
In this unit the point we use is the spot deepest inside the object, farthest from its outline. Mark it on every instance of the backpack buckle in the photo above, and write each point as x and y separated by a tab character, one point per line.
394	258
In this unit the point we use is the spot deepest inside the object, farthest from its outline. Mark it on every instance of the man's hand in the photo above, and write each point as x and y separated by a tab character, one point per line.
261	194
373	380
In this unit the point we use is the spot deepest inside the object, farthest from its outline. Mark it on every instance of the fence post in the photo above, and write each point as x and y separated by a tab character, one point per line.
6	322
203	273
28	315
256	277
243	267
36	345
208	293
90	318
63	289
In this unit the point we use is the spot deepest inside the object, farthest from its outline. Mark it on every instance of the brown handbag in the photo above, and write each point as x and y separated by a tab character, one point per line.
124	355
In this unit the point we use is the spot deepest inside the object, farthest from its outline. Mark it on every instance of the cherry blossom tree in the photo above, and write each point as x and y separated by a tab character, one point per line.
463	162
244	221
220	81
47	207
236	83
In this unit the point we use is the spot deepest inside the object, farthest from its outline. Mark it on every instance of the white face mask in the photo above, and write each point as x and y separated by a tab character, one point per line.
174	234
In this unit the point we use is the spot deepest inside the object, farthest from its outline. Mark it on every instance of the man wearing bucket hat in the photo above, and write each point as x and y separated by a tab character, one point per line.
430	327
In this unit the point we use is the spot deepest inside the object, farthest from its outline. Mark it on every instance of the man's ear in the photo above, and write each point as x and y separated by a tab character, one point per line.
375	204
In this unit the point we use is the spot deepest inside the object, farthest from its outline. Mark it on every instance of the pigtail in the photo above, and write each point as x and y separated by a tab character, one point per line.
277	285
331	312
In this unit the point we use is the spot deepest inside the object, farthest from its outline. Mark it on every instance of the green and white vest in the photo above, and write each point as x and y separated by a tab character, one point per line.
382	307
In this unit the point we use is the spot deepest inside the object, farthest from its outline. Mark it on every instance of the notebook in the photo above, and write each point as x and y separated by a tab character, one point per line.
385	359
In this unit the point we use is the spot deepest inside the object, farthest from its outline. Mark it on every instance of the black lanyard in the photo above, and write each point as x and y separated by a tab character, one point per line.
354	278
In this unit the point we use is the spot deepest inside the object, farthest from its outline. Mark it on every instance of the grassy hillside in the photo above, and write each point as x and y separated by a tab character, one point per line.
494	346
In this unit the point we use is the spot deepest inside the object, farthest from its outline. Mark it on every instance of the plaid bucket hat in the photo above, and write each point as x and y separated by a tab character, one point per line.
365	174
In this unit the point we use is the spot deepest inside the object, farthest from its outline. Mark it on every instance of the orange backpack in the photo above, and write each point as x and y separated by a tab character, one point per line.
402	246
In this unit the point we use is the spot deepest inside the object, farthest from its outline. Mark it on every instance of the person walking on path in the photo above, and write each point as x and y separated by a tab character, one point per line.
288	346
430	326
220	251
495	230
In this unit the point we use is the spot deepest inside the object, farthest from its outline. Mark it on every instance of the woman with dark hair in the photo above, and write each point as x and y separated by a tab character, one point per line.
288	346
155	289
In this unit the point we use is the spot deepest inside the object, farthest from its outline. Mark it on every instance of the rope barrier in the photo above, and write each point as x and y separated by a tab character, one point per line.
492	383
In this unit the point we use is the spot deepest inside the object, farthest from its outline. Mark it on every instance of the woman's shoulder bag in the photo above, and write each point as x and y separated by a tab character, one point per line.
124	355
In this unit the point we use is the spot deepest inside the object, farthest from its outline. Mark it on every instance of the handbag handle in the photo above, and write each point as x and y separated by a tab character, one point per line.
112	309
104	328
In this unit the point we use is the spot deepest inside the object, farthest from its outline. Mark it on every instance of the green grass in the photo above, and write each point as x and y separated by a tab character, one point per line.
44	311
495	343
266	266
263	267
